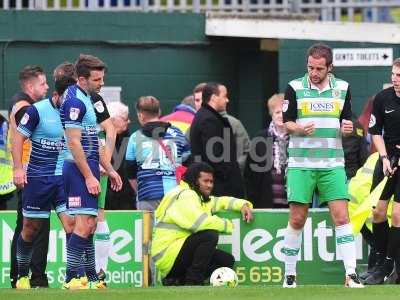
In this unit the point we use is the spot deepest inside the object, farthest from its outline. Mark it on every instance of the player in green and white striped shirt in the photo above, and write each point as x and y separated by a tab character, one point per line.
317	111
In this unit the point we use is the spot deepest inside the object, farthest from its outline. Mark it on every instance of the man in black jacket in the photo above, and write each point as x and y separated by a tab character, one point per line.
355	149
212	141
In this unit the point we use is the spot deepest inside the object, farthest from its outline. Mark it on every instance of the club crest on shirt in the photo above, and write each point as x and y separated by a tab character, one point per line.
74	113
285	105
25	119
372	121
336	93
99	106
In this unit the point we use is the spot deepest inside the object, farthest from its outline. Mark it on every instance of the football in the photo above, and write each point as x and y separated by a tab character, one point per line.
224	277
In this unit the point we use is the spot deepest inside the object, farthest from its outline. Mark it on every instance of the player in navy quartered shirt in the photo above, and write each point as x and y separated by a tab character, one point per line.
81	168
43	182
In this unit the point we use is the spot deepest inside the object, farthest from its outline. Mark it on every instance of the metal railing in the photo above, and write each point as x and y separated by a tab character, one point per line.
326	10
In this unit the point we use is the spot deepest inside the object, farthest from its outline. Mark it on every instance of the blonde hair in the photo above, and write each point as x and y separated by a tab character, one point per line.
148	105
274	101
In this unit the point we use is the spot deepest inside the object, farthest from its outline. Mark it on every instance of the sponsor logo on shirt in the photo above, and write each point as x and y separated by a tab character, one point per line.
52	145
25	119
33	207
321	108
74	201
74	113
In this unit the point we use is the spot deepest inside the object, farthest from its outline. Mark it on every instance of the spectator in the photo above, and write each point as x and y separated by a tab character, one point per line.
151	149
355	148
212	141
186	232
266	163
7	187
122	199
198	95
183	114
364	119
242	139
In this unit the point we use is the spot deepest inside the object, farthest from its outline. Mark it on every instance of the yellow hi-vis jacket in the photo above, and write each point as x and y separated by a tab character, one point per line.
182	213
359	190
6	172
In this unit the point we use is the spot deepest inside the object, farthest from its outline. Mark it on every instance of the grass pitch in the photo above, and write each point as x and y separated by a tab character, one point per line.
331	292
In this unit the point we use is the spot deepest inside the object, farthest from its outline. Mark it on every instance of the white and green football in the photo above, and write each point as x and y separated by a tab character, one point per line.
224	276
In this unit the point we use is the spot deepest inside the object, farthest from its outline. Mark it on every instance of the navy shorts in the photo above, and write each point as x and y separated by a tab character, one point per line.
79	200
42	193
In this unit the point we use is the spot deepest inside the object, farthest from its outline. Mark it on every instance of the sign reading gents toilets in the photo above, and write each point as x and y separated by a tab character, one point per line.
362	57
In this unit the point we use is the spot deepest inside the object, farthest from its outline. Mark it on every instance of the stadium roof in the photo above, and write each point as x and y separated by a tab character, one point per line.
292	26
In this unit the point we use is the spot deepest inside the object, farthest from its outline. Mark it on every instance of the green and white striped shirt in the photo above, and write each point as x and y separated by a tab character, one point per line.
306	103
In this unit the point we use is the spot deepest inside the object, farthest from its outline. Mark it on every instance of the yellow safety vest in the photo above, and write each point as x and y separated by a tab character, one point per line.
360	187
182	213
6	172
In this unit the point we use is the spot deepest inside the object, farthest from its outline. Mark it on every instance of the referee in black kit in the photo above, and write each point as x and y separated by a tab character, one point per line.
385	130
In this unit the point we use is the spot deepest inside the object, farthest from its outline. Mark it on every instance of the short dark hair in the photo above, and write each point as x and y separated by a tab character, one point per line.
320	50
148	105
62	83
192	173
86	63
30	72
199	88
64	69
211	88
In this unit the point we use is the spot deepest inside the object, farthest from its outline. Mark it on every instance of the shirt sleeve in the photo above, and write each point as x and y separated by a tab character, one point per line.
289	108
130	157
100	108
20	113
188	213
29	121
74	110
376	119
346	112
183	147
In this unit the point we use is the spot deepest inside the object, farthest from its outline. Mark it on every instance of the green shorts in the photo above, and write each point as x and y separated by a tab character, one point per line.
101	202
330	184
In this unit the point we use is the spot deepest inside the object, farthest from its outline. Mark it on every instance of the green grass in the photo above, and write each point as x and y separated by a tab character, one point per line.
193	293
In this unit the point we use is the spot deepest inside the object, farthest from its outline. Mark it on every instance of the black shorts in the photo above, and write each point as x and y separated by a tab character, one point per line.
392	186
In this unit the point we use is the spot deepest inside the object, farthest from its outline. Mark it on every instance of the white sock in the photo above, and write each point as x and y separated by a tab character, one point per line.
102	245
291	249
346	247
